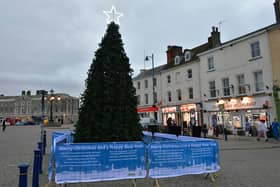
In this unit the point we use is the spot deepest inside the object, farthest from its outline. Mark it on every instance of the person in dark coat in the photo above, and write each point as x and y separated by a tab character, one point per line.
4	125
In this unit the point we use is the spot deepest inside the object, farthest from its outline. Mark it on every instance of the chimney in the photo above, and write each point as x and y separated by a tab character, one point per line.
214	40
23	92
173	51
277	10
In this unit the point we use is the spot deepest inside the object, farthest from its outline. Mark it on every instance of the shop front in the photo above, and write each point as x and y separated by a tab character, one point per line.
186	115
148	112
237	112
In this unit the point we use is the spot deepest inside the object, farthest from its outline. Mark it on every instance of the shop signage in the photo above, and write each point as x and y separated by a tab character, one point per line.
237	105
169	110
147	109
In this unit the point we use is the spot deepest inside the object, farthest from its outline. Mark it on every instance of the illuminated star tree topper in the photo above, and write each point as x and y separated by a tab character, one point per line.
113	15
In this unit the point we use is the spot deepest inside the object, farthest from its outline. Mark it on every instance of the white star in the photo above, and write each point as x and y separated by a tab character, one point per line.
113	15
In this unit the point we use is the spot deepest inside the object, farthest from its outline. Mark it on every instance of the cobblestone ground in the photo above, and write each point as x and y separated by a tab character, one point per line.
243	160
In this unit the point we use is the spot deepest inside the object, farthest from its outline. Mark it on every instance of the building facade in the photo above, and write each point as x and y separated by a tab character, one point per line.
29	107
216	83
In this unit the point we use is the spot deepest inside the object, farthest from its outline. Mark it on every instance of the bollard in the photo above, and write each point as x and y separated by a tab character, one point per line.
40	147
35	178
44	142
23	167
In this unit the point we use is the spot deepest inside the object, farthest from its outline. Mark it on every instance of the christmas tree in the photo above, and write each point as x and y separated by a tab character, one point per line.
108	109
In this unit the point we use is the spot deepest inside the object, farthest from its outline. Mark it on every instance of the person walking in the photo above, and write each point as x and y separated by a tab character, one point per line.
275	129
204	130
262	129
4	125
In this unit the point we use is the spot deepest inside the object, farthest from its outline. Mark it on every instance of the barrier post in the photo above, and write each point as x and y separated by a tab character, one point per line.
40	147
35	177
23	168
44	142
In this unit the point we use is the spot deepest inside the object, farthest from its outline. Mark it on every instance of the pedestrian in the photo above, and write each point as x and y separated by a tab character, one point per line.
275	129
4	125
204	130
247	127
262	129
226	130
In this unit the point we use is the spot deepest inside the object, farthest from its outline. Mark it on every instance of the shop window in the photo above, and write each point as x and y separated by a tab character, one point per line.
179	95
139	85
212	89
146	99
255	49
226	87
146	83
191	93
169	98
259	86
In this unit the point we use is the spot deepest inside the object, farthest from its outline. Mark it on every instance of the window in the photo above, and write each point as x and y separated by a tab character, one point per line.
191	93
169	96
259	81
189	73
155	97
168	79
146	83
138	99
211	63
226	87
146	99
255	49
212	89
241	84
177	60
155	82
179	95
139	85
178	76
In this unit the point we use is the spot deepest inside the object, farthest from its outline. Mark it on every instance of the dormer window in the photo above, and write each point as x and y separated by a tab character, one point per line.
177	60
187	56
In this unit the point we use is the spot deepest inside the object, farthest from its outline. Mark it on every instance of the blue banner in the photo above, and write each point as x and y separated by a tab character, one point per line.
176	158
89	162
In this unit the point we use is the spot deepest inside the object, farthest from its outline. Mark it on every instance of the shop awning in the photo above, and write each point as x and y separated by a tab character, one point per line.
147	109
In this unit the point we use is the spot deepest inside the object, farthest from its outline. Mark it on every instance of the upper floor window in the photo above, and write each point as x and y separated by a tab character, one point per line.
155	97
226	87
212	89
241	84
191	93
178	76
179	95
169	98
146	99
168	79
146	83
138	99
211	63
259	81
154	82
189	73
255	49
138	85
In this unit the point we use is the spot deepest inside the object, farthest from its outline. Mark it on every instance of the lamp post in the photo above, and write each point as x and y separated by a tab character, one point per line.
52	99
147	58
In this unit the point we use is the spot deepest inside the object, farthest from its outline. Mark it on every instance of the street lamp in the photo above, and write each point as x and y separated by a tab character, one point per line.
147	58
51	99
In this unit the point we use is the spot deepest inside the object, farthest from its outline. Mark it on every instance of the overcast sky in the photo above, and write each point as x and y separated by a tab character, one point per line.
48	44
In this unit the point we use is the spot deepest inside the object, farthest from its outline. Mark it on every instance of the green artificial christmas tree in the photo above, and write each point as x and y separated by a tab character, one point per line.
109	106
